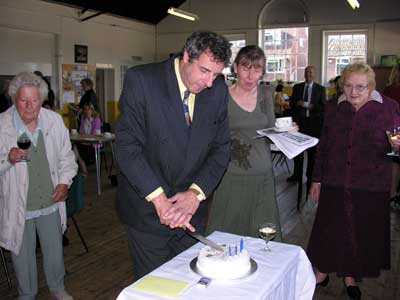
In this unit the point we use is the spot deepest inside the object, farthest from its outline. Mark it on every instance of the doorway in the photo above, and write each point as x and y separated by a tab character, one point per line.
105	88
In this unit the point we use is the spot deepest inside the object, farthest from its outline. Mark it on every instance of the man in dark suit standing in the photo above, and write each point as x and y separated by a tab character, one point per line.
172	147
307	103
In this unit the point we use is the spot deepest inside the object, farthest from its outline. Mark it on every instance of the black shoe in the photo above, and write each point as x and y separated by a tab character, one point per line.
292	178
353	292
324	282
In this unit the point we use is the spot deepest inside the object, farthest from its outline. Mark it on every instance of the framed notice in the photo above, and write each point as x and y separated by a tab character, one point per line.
81	54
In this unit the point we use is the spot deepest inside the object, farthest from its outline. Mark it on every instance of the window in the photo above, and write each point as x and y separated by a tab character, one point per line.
273	37
341	49
286	50
341	62
275	65
237	42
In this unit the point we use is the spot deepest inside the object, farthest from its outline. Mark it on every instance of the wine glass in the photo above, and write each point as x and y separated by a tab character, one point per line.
24	143
267	232
393	135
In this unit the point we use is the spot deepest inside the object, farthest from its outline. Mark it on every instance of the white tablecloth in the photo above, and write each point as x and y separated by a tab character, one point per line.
283	274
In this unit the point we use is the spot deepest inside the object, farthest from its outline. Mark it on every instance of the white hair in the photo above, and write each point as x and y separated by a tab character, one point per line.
27	79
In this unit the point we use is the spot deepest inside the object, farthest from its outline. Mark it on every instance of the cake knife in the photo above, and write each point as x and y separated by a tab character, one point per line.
204	240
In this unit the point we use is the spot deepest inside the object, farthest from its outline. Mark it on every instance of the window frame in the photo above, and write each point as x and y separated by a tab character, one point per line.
289	61
340	32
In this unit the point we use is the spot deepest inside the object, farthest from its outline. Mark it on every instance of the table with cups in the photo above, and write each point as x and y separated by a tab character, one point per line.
284	273
97	140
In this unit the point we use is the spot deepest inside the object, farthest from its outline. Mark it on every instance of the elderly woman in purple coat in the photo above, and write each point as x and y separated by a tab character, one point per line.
351	183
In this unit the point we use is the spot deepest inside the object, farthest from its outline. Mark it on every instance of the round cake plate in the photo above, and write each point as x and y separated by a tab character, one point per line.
253	269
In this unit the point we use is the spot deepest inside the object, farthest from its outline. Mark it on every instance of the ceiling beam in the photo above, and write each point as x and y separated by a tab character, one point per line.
90	17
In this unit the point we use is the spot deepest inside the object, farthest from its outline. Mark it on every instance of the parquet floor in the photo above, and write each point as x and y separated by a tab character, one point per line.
103	272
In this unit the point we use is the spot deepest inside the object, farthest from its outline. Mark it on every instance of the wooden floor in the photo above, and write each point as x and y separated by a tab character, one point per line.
106	269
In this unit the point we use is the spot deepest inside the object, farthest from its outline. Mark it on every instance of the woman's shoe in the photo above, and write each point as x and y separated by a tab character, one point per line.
353	292
324	282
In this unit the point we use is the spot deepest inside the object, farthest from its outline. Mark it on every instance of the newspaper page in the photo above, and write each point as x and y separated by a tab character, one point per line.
290	143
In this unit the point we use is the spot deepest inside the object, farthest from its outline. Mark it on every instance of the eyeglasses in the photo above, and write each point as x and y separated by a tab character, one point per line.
247	68
358	87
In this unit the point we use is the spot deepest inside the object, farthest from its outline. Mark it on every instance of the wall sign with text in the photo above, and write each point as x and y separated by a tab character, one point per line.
81	54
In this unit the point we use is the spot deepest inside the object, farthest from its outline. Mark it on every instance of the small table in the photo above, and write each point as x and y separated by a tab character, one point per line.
283	274
96	141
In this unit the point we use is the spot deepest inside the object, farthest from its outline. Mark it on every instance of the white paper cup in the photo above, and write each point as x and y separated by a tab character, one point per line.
107	134
98	132
74	131
283	122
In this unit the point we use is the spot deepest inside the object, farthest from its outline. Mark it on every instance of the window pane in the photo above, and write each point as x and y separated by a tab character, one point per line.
286	50
342	49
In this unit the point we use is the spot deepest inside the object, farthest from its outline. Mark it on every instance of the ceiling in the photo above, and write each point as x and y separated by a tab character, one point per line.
148	11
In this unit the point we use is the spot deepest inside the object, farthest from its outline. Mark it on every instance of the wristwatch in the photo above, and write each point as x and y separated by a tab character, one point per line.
199	195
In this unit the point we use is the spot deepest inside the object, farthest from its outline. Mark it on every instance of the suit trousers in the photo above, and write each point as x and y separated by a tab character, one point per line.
50	235
149	250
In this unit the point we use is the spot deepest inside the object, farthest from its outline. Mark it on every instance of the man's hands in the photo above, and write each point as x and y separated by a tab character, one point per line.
60	193
178	210
162	205
184	207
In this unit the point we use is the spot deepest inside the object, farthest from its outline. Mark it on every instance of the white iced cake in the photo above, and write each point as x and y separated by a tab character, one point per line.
220	265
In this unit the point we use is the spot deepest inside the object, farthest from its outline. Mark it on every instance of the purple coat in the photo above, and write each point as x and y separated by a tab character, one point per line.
353	146
355	173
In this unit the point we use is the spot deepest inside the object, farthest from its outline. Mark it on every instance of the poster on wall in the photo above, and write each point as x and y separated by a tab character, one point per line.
72	75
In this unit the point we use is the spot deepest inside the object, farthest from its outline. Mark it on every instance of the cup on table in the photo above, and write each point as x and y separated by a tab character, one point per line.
74	132
98	132
107	134
285	122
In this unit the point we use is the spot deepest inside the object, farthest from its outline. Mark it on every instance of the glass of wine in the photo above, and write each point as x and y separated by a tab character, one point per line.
267	232
393	135
24	143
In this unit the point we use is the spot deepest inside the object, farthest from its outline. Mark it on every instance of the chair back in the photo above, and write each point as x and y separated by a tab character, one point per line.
75	201
106	127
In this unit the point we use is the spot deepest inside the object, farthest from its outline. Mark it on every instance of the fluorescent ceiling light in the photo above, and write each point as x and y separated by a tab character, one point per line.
182	14
354	3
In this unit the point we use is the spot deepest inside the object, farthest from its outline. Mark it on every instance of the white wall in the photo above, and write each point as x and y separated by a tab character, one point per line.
40	35
380	17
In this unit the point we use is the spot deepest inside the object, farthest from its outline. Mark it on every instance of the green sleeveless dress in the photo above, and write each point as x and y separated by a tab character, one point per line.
245	197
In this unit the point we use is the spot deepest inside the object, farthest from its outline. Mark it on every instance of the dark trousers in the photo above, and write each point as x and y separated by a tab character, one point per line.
298	163
150	250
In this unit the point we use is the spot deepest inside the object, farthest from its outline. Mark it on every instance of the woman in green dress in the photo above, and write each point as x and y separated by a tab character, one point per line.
245	197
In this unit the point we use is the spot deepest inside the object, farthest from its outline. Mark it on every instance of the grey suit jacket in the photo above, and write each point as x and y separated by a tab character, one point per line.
154	146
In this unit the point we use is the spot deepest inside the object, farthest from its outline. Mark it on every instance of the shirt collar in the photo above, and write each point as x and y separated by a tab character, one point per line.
308	84
375	96
182	87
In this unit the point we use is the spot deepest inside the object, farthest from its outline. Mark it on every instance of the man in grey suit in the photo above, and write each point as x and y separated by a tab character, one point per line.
307	103
172	147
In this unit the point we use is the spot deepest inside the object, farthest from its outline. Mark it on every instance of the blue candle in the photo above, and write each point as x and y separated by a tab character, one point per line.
236	252
241	245
229	248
